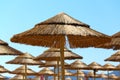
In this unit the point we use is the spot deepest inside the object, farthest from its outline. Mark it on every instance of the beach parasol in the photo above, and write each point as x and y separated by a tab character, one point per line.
17	77
21	71
25	59
53	54
108	67
79	73
94	66
47	72
102	75
113	76
77	64
2	77
114	43
59	31
115	57
5	49
3	70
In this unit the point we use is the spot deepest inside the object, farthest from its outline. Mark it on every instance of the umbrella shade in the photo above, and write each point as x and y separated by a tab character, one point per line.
2	77
5	49
102	75
94	66
3	70
115	57
114	43
113	76
57	31
21	71
108	66
46	71
77	65
17	77
79	73
50	32
25	59
91	75
54	54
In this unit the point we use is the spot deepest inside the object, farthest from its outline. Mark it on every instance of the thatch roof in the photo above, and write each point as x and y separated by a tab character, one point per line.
54	54
77	65
50	32
46	71
3	70
5	49
94	66
17	77
21	71
108	66
115	57
25	59
113	44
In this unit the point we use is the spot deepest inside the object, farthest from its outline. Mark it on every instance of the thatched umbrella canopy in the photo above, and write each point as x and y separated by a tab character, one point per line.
91	75
113	76
114	43
115	57
67	73
2	77
21	71
102	75
17	77
57	31
25	59
77	65
3	70
53	54
94	66
107	67
5	49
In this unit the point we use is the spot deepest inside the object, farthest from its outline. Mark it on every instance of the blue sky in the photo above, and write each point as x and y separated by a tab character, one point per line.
19	15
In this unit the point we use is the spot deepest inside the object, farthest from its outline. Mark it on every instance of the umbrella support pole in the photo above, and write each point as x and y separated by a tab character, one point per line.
58	69
77	74
62	58
54	73
94	74
108	74
25	71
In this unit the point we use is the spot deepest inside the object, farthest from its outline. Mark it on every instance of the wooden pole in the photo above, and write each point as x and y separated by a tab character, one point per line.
25	71
62	58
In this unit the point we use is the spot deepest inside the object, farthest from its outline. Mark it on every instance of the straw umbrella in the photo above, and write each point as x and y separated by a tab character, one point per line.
102	75
46	71
54	64
115	57
113	76
57	31
25	59
2	77
17	77
114	43
77	65
94	66
5	49
3	70
108	67
79	73
21	71
53	54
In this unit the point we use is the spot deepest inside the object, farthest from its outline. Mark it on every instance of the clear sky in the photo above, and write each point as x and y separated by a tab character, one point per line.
19	15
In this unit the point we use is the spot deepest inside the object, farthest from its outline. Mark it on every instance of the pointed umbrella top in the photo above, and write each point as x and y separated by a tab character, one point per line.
77	65
94	65
3	70
54	54
115	57
21	71
5	49
79	73
108	66
50	32
46	71
25	59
